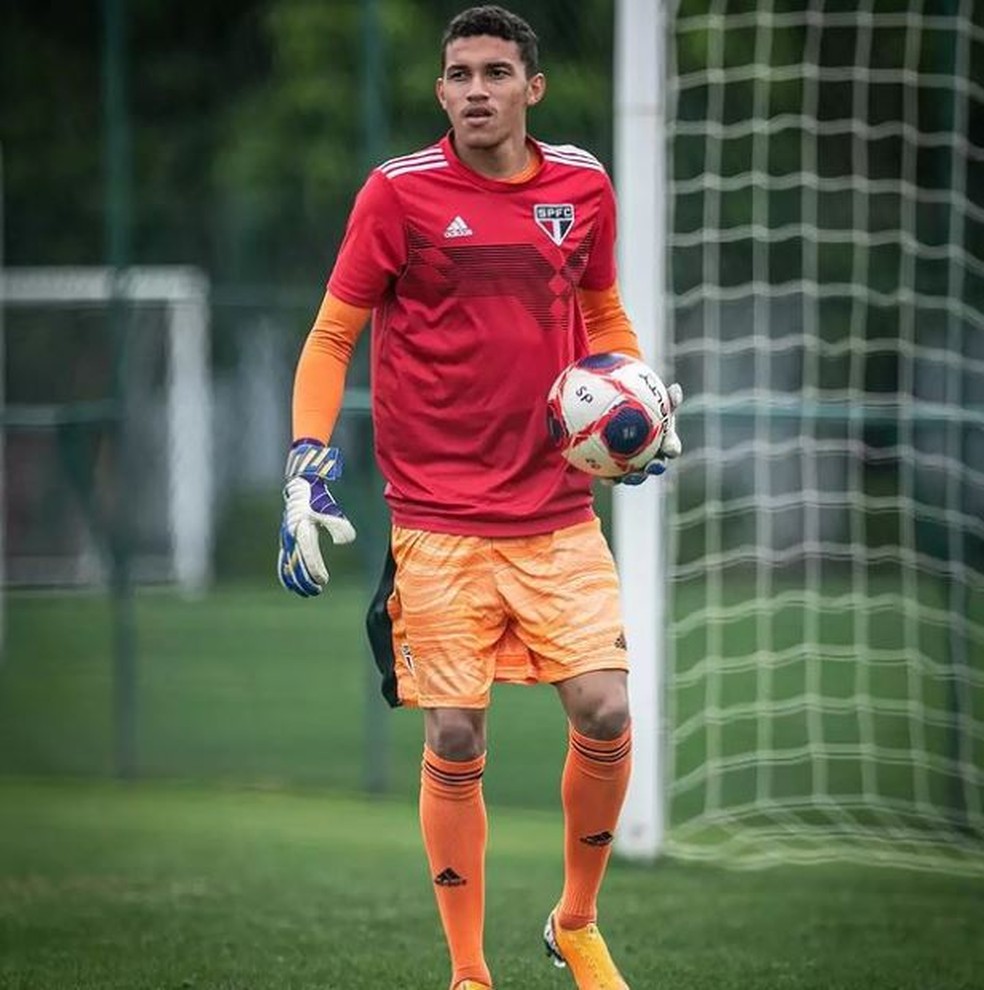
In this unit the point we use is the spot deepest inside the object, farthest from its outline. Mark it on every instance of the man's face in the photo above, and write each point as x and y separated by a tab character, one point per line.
485	92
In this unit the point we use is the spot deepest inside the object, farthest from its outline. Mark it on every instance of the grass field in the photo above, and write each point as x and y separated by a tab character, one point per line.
171	887
253	686
247	685
244	857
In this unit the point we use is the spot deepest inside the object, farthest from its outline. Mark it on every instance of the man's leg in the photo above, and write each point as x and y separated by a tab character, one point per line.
453	822
596	775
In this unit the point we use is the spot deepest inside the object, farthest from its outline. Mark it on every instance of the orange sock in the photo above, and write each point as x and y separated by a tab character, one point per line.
452	819
596	776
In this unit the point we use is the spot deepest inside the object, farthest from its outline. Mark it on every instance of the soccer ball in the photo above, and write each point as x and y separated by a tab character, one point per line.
608	414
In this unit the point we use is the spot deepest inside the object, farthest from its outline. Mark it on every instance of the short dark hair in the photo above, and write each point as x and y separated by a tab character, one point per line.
497	22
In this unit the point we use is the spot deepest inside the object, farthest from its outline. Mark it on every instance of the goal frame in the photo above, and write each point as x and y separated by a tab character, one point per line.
642	54
638	514
184	292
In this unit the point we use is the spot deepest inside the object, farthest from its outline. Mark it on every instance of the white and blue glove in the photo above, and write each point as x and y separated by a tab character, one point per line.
309	505
670	447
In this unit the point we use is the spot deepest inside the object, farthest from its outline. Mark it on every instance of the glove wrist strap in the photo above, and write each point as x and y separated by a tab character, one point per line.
312	460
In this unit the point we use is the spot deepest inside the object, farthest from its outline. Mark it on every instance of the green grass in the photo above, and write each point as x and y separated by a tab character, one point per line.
243	858
255	686
172	887
246	685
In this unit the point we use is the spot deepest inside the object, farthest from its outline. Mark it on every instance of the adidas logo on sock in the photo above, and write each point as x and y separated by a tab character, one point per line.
448	878
598	839
458	228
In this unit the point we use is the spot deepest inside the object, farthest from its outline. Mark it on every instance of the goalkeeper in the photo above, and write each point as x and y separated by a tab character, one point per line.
487	262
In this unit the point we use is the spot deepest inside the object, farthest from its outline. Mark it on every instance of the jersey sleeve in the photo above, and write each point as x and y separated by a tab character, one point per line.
373	251
600	271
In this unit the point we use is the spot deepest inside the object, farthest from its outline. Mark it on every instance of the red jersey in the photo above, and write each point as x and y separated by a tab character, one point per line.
473	285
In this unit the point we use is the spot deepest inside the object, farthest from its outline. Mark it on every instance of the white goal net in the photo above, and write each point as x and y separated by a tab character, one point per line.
74	366
825	688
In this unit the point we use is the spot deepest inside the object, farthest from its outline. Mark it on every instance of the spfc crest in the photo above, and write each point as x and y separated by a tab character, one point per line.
555	220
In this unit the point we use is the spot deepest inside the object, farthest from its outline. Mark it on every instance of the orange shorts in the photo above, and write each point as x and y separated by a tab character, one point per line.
455	613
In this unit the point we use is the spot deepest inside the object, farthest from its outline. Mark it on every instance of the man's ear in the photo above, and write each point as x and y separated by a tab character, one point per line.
535	89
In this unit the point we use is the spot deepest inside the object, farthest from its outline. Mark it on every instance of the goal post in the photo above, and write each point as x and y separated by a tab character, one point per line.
808	666
45	300
638	514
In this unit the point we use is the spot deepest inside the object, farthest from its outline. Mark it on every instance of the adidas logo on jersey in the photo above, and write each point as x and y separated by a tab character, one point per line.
458	228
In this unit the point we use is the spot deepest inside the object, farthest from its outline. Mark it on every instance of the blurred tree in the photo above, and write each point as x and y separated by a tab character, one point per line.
50	130
247	122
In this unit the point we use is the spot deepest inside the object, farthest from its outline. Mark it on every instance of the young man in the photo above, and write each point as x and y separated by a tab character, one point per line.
487	261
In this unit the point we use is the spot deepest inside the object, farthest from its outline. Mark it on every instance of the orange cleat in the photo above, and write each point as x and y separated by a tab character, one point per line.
584	952
470	985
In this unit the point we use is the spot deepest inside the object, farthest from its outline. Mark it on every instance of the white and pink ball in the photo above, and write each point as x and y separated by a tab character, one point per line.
608	413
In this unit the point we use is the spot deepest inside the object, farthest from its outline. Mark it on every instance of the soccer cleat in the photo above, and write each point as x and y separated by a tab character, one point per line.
584	952
471	985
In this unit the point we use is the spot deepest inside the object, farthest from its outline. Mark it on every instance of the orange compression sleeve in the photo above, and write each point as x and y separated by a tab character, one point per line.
320	378
607	322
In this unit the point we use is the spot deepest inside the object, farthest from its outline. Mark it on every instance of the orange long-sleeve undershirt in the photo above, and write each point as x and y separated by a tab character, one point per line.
605	319
319	382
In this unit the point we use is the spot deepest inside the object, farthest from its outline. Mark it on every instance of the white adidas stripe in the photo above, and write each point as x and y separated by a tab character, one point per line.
570	151
432	149
426	167
393	166
584	162
428	154
575	163
572	154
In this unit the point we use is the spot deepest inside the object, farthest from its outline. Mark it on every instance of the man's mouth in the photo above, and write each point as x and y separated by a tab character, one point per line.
477	113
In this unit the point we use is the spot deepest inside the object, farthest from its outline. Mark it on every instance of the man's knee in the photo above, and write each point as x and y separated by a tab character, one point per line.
597	704
607	720
455	733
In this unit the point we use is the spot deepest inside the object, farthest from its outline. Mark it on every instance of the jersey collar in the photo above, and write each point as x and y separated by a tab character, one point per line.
492	185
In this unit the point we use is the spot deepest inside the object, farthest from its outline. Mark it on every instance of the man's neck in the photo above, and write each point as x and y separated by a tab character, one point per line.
501	162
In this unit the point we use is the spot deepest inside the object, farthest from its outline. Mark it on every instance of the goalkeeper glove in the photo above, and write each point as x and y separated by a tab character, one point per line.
670	448
307	505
